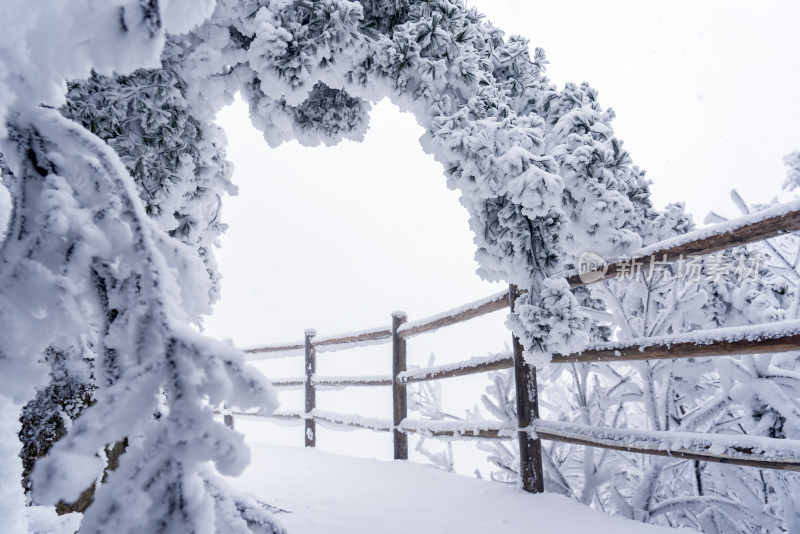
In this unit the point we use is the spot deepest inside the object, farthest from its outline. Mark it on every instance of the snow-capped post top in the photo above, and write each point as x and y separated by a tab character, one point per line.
310	332
400	314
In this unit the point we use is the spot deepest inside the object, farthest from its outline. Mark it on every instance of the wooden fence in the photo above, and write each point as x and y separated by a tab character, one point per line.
751	451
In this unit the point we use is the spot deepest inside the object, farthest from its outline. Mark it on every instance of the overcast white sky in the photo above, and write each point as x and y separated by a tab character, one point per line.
706	96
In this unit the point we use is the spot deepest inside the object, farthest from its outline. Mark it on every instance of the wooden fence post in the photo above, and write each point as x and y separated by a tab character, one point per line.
311	394
227	418
530	450
399	399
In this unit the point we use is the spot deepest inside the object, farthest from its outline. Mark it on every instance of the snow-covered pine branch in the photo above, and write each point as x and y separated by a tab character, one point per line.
158	378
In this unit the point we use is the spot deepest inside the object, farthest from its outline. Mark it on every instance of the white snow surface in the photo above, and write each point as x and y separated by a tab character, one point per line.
326	493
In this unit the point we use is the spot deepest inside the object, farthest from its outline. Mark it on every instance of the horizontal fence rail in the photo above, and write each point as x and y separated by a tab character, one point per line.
772	338
337	381
472	429
764	224
748	451
751	451
357	337
363	337
464	368
353	381
472	310
288	347
289	382
744	450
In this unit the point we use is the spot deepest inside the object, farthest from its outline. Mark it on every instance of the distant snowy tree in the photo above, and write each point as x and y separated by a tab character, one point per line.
500	401
792	162
426	398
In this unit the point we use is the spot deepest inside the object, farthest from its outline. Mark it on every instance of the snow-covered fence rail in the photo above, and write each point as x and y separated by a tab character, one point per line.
364	337
748	451
337	381
498	301
760	452
480	364
287	348
400	425
764	224
773	338
752	451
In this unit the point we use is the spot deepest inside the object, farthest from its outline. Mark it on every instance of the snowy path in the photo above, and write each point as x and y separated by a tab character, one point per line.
331	494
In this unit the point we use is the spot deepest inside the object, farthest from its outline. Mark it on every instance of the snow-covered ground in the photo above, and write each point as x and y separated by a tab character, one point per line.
331	494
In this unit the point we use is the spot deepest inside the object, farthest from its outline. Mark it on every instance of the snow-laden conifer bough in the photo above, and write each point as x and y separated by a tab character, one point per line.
115	183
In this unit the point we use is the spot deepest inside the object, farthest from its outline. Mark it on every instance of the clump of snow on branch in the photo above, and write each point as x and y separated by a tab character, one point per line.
553	320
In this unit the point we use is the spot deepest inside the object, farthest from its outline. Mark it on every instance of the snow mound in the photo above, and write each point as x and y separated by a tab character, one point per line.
319	492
